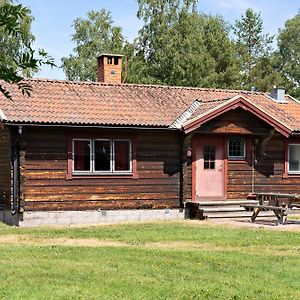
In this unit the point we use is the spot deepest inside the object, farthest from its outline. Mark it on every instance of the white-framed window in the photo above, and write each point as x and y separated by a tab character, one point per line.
236	148
101	156
294	158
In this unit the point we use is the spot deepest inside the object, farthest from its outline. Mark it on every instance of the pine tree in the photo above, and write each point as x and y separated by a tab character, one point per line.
253	49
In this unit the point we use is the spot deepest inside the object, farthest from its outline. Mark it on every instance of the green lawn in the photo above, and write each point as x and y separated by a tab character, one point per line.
176	260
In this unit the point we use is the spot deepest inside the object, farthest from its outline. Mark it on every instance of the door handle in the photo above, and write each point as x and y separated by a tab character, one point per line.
220	168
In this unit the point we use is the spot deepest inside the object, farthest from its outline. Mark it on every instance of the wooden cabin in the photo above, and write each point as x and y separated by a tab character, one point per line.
88	152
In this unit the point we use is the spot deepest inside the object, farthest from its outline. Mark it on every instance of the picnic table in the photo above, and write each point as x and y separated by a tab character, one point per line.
280	204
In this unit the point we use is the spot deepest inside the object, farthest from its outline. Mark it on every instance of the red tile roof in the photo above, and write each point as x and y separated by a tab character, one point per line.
92	103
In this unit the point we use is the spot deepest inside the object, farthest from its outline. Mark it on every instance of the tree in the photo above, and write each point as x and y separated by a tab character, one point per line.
253	49
179	46
93	36
17	58
288	55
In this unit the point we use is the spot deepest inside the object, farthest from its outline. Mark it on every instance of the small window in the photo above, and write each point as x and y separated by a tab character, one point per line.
209	156
116	61
294	158
82	155
109	60
236	148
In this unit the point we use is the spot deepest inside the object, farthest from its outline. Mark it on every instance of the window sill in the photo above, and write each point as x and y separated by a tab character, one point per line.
237	160
102	176
291	175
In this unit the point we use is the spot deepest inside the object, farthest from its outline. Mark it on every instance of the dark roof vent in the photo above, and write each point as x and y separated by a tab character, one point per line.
278	94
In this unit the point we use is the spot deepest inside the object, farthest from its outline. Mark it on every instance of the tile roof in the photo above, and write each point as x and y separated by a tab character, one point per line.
93	103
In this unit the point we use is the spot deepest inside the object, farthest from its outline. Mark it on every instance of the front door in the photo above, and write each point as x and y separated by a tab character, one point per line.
209	168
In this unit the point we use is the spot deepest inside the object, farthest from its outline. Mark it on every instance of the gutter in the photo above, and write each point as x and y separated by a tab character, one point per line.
92	126
295	133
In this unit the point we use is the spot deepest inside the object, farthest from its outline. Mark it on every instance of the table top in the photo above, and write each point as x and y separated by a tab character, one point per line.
279	195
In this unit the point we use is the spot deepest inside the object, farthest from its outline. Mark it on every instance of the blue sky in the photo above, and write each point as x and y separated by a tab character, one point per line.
53	19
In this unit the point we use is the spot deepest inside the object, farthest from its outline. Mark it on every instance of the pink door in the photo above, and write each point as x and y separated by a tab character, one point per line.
209	168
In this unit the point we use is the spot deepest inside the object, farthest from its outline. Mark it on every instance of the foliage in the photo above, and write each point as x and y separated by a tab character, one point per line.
17	58
93	36
179	46
178	260
254	52
289	53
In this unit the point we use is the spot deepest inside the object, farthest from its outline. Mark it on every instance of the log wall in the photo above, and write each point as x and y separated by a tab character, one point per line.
5	167
268	173
45	186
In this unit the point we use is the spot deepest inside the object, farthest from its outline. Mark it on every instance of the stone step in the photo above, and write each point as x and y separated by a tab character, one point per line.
225	203
222	209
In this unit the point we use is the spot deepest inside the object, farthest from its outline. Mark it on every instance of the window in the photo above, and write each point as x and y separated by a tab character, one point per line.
236	148
82	155
294	158
209	155
102	156
116	61
122	156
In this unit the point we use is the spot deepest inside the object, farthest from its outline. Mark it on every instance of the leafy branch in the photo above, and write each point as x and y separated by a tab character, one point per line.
11	17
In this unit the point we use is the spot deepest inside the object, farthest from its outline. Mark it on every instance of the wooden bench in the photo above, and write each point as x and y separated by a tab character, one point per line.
270	201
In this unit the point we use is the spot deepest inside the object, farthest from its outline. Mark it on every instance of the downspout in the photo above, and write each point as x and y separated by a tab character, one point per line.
252	167
16	175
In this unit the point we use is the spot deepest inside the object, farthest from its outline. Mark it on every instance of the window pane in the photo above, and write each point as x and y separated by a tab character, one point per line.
102	155
82	156
122	156
294	157
209	155
236	147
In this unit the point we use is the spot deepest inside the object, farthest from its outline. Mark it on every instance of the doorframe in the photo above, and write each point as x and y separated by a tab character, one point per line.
225	166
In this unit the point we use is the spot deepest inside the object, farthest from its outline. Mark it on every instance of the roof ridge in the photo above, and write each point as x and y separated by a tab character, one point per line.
145	85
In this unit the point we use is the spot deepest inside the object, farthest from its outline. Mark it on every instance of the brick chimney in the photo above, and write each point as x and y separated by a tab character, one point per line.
109	68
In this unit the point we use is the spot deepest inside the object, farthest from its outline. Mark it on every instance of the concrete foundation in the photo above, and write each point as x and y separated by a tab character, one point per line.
44	218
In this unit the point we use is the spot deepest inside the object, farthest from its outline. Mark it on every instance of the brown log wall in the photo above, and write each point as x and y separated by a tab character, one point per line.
45	167
5	167
268	173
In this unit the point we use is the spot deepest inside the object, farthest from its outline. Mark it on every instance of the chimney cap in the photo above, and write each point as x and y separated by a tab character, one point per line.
109	54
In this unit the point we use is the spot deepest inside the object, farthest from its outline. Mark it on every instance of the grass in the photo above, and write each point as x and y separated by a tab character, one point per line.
176	260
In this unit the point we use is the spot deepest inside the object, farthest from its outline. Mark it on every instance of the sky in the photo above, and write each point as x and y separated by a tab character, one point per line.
53	29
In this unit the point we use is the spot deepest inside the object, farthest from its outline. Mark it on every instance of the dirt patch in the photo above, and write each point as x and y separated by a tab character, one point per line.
29	240
166	245
269	224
